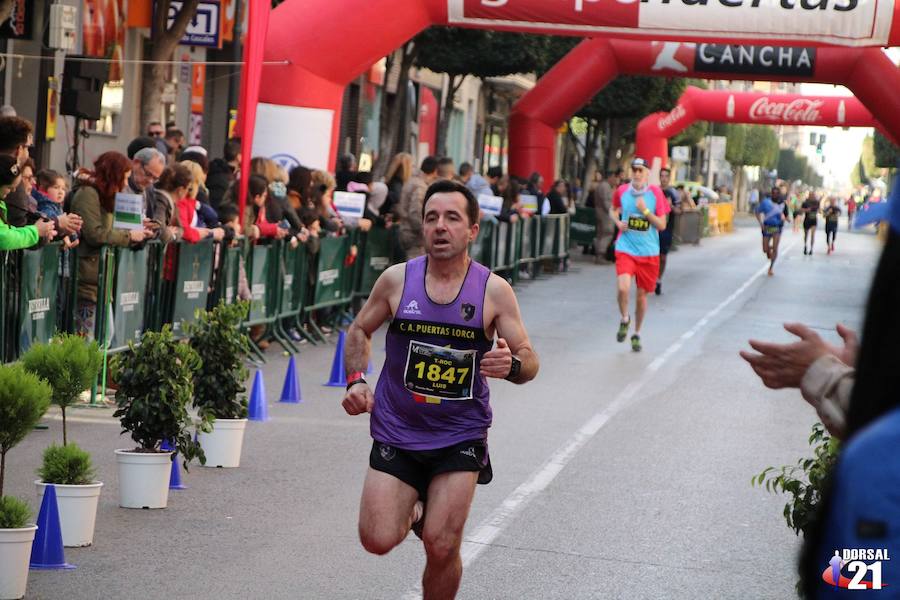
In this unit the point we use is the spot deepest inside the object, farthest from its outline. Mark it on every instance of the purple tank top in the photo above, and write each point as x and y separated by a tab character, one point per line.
431	393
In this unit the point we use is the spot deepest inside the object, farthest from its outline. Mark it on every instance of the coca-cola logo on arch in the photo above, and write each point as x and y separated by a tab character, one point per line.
800	110
670	119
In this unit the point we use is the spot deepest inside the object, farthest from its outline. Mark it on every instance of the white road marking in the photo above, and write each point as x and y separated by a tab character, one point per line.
482	536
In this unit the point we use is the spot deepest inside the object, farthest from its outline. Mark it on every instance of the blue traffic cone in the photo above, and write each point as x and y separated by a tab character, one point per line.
175	474
290	393
338	378
258	410
47	550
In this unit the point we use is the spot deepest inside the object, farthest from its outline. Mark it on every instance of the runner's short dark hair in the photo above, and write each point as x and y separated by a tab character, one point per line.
446	186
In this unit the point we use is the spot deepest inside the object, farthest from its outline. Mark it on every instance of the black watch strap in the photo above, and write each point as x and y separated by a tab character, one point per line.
514	369
350	384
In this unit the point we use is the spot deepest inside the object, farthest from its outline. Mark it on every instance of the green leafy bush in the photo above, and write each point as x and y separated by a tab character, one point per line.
24	399
156	386
14	514
804	482
216	336
69	363
66	465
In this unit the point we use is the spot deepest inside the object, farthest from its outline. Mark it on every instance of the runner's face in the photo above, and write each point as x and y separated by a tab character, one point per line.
446	226
638	176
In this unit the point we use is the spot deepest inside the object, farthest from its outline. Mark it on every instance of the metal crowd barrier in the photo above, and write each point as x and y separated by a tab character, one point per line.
141	289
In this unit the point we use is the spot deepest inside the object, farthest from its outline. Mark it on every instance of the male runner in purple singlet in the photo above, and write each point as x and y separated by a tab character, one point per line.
430	411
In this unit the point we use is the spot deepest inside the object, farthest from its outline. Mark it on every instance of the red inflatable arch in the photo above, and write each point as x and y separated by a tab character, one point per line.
328	43
723	106
868	72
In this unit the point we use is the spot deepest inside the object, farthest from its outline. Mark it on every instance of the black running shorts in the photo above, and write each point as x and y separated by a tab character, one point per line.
417	468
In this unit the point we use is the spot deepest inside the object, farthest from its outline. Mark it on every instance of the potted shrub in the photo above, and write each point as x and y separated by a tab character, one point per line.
70	470
219	392
24	399
70	364
156	386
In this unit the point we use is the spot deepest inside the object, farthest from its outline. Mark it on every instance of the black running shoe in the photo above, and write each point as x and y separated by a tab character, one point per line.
636	343
623	331
658	288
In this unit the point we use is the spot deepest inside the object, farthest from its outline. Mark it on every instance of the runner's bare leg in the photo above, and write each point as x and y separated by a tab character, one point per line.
624	287
449	499
385	512
640	309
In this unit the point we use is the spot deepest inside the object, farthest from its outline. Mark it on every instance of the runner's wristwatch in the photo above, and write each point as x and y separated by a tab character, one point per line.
514	369
354	378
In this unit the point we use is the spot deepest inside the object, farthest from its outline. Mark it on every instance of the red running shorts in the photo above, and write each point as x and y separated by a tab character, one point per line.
645	269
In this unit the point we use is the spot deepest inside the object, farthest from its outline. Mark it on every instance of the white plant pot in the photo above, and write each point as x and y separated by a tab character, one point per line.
77	511
223	446
15	553
144	478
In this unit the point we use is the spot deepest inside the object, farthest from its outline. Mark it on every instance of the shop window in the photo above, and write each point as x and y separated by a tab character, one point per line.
110	109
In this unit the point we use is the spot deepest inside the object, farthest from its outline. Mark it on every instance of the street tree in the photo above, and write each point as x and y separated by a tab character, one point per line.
460	53
160	48
393	121
886	152
866	167
750	146
612	115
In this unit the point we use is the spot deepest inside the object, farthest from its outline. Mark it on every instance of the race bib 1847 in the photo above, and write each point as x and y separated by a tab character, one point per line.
438	371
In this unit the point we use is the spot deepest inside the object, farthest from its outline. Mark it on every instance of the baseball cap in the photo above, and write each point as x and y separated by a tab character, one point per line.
9	169
638	163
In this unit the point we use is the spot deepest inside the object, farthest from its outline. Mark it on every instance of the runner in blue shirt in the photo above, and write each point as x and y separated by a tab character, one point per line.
771	213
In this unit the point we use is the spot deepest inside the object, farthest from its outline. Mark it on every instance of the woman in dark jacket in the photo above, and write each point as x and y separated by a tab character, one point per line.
94	201
556	198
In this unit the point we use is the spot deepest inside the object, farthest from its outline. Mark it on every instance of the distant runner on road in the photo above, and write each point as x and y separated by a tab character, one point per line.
832	217
772	213
430	411
639	211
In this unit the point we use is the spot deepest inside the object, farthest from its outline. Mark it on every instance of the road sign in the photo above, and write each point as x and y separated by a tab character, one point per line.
204	29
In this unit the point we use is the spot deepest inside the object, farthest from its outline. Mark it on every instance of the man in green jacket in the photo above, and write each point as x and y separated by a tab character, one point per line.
16	238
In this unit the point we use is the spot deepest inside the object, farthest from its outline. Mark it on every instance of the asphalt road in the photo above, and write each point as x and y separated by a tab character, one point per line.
617	475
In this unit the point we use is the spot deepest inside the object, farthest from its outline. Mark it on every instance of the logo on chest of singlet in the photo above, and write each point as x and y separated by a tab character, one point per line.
412	308
467	311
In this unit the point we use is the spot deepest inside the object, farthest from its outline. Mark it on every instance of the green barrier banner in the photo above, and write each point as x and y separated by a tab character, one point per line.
293	279
482	249
129	301
230	274
584	226
38	286
548	237
191	283
331	272
503	232
376	260
563	237
259	282
529	235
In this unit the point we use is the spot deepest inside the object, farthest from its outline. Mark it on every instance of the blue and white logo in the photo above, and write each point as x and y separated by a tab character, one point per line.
286	161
